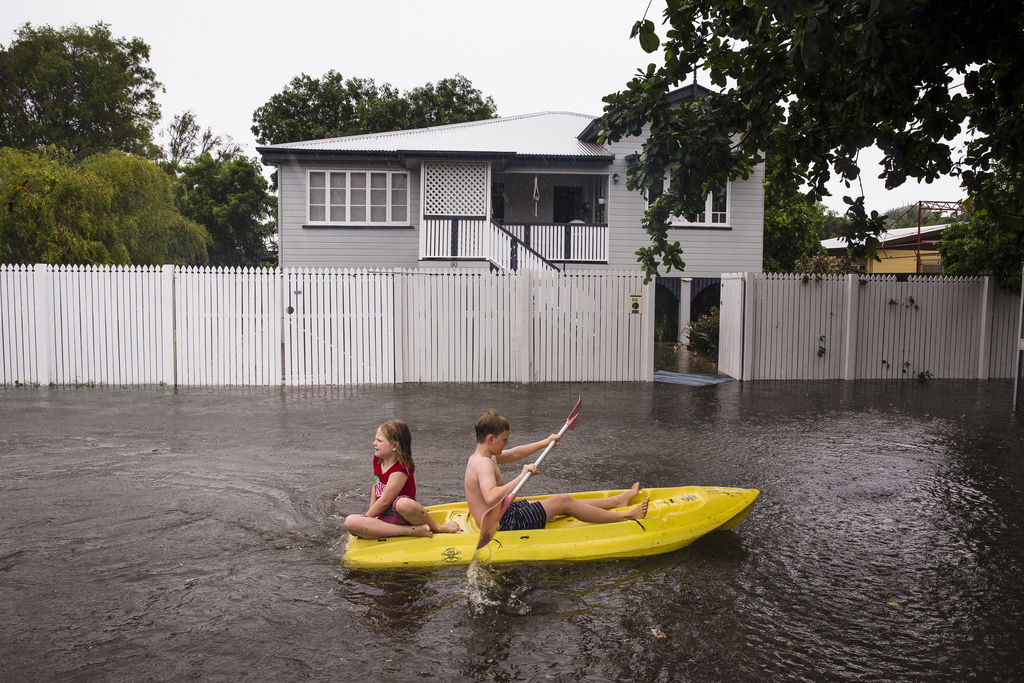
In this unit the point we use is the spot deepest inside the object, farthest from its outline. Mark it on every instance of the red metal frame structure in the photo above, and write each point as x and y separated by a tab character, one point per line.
957	207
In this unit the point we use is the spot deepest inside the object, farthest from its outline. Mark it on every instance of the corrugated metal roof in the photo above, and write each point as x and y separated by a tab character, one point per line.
889	236
542	134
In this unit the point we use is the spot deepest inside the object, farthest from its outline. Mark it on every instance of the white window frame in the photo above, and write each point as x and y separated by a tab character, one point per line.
367	205
719	219
724	218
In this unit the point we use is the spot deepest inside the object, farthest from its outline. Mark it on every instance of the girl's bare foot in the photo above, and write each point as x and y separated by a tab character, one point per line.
451	527
640	511
421	530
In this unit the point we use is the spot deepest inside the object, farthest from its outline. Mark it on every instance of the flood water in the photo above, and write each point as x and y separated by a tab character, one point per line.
153	534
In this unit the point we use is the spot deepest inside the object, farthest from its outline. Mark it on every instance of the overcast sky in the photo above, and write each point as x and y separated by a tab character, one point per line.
223	60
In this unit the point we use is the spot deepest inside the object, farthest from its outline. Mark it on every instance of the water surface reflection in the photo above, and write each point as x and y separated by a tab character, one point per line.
153	534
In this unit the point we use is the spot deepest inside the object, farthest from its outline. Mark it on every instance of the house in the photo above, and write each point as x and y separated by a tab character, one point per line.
522	192
900	250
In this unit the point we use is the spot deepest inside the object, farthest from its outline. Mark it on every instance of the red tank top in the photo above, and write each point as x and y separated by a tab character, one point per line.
380	479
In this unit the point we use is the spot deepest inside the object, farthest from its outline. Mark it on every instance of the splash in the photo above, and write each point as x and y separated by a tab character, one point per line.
488	588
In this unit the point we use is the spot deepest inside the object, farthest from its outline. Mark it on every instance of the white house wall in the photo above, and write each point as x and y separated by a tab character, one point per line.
707	252
342	247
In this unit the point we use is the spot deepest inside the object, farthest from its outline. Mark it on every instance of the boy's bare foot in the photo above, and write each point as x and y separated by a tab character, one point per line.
622	499
640	511
421	530
451	527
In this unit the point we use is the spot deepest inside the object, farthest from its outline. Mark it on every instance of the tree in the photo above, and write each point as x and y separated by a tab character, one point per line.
975	247
815	82
111	209
312	109
981	244
823	264
223	191
834	225
51	212
230	199
452	100
186	141
182	134
142	204
79	89
792	220
908	217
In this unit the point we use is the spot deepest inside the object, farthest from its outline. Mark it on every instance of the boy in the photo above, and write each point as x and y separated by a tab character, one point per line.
485	486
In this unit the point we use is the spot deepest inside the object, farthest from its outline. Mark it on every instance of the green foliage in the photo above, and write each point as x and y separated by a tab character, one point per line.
704	334
452	100
834	225
816	81
312	108
142	204
979	247
186	142
52	211
909	215
110	209
80	89
792	220
821	263
987	243
230	198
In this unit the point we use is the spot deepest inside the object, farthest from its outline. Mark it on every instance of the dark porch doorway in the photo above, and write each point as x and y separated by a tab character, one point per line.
568	205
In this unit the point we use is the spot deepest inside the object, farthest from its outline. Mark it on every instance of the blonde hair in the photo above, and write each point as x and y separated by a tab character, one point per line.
490	424
398	435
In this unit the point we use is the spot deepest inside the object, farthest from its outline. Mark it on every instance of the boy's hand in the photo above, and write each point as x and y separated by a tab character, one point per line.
556	438
531	468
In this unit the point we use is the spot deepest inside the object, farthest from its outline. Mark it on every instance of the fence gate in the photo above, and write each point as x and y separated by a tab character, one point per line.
338	327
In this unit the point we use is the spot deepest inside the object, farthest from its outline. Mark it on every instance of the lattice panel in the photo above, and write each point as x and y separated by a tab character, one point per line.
455	189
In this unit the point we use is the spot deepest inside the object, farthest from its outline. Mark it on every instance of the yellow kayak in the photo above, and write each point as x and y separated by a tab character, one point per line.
675	517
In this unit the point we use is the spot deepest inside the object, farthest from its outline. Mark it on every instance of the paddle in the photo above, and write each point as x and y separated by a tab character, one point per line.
489	523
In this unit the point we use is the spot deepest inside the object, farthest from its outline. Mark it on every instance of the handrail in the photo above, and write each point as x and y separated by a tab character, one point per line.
520	244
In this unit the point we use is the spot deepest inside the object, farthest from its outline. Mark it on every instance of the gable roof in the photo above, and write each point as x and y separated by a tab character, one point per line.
546	134
563	136
683	94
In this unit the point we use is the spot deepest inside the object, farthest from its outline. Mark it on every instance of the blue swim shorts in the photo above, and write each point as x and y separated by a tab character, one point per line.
522	515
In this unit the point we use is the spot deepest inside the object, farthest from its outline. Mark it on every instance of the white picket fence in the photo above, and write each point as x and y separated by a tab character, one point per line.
201	326
866	327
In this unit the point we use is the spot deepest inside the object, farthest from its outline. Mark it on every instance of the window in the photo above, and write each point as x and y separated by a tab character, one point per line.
716	205
359	197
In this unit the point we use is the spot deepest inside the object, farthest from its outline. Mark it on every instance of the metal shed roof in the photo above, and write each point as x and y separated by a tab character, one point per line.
892	237
548	134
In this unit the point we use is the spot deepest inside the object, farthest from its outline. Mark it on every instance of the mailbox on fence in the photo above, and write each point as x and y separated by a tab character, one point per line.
636	301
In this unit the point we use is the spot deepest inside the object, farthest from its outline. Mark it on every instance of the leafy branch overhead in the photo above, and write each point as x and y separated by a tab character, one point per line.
816	81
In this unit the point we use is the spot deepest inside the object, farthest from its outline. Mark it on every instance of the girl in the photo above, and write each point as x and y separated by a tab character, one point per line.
393	508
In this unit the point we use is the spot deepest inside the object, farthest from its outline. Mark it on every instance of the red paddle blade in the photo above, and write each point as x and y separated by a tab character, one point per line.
487	531
489	524
570	422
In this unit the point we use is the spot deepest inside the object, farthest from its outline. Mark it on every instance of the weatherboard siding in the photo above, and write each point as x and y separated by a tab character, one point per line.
343	247
706	252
